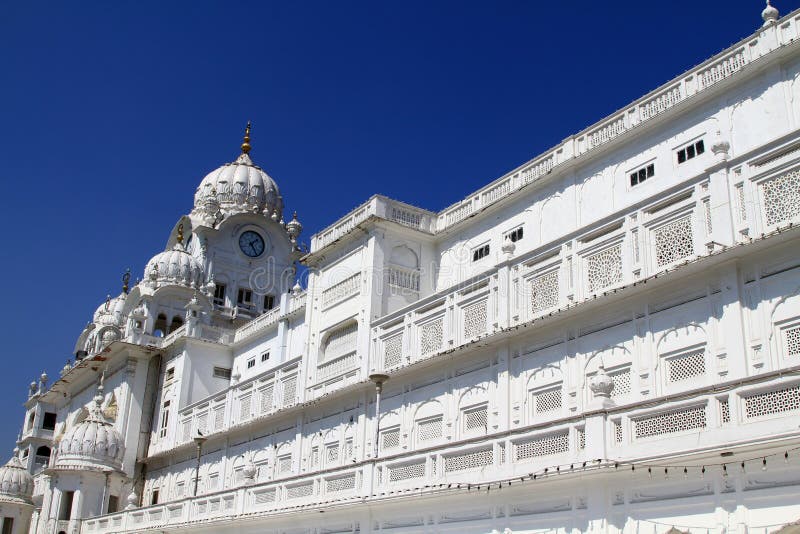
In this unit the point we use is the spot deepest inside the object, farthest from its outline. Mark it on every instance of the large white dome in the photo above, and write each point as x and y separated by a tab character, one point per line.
175	267
92	443
16	484
238	187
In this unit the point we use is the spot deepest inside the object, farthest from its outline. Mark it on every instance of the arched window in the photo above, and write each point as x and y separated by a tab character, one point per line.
340	342
160	328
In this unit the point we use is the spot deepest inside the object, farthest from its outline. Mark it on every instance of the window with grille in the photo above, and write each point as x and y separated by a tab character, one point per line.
244	407
771	402
475	420
475	319
671	422
301	490
390	439
781	197
792	338
622	382
406	471
429	429
431	336
266	393
219	294
251	363
314	457
547	401
289	391
674	241
332	454
269	302
515	235
547	445
604	268
393	350
348	448
544	291
244	297
640	175
617	424
164	419
468	460
264	497
581	437
222	372
219	417
284	463
690	151
341	341
332	485
725	410
687	366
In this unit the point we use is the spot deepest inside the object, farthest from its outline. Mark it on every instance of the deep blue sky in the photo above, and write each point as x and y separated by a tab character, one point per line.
112	113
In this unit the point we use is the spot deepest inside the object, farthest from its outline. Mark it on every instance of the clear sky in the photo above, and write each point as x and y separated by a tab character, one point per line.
112	112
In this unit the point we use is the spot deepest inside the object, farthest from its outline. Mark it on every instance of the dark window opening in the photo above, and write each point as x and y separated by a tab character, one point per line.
219	294
480	253
690	151
160	328
265	357
176	323
154	497
65	512
170	374
251	363
49	421
8	525
113	504
515	235
269	302
643	174
222	372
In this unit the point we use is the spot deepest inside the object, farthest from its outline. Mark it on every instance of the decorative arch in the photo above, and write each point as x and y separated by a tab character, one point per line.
340	341
680	336
403	256
427	409
472	395
546	374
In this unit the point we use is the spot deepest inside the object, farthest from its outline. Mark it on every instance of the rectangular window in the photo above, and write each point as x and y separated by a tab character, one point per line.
113	504
170	374
8	525
251	363
643	174
65	512
269	302
265	357
690	151
154	497
480	252
49	421
219	294
164	419
515	235
222	372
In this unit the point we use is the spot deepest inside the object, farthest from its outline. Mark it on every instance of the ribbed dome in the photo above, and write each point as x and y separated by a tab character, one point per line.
16	484
239	187
110	313
176	267
92	443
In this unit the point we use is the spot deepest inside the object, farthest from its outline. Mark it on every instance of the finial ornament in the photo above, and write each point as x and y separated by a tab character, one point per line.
246	145
126	278
770	14
180	234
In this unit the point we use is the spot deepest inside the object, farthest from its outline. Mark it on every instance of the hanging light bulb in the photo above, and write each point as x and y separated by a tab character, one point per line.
666	473
650	472
764	464
685	473
703	472
786	457
724	470
743	470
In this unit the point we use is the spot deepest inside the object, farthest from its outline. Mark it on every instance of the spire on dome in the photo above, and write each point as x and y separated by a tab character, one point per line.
180	234
126	278
770	14
246	144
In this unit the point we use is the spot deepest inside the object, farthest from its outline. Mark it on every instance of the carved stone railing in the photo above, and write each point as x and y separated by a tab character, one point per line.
262	321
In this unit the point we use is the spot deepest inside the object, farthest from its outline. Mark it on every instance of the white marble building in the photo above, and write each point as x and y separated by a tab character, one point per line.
605	339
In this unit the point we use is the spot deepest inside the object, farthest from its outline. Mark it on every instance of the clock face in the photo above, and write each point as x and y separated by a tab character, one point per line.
251	244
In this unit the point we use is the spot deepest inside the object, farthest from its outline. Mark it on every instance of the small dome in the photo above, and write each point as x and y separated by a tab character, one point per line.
110	313
770	15
175	267
16	484
92	443
239	187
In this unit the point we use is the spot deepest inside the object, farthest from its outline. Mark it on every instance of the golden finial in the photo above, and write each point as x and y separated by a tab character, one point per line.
126	278
246	144
180	234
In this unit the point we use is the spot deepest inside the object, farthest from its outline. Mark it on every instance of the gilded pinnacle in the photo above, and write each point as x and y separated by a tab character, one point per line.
246	145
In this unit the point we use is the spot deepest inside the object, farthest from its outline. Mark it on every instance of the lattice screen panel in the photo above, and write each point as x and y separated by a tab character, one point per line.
431	336
266	394
348	448
244	407
547	401
550	444
314	456
687	366
264	497
781	197
544	291
674	241
622	382
341	341
468	460
429	429
604	268
406	472
331	454
581	435
671	422
475	319
289	391
771	402
792	336
617	430
202	423
219	417
285	464
393	350
303	490
186	432
390	439
725	410
333	485
476	420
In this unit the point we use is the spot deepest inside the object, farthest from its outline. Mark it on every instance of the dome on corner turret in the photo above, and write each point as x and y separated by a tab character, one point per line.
238	187
175	267
110	313
16	484
93	443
